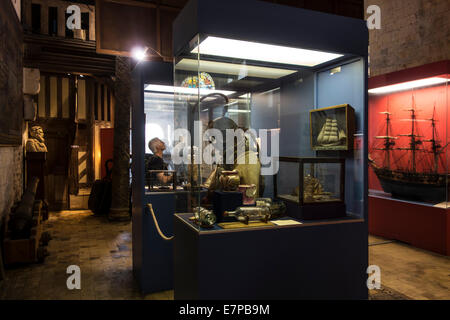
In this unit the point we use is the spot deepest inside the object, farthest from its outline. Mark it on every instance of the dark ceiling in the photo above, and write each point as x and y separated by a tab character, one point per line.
349	8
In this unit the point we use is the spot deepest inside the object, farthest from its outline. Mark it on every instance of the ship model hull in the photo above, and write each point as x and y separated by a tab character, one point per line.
428	187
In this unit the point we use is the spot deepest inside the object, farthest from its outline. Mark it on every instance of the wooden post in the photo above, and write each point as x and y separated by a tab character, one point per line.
121	158
2	270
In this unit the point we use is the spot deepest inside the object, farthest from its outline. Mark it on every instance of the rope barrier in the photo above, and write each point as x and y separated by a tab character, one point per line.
161	234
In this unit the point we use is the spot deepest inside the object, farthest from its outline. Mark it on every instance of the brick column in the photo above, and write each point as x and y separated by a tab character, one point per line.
121	158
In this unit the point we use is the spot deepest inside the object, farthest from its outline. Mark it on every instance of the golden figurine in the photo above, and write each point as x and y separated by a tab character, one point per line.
37	142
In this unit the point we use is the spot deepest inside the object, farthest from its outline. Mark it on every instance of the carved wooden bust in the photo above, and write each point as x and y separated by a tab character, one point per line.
36	142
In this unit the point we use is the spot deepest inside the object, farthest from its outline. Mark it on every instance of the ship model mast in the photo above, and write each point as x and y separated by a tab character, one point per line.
414	138
389	141
436	147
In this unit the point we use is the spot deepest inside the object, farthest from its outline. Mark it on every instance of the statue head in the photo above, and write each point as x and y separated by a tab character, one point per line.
37	133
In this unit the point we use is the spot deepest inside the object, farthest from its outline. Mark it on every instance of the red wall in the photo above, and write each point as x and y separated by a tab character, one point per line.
396	103
422	226
106	147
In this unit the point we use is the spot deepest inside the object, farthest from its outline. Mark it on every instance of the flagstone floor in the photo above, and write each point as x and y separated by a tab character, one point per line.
102	250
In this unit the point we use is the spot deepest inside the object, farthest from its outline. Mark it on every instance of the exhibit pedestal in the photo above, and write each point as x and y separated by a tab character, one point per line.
421	225
36	168
313	260
152	255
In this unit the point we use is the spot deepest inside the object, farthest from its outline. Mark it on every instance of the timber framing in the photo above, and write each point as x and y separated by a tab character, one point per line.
61	55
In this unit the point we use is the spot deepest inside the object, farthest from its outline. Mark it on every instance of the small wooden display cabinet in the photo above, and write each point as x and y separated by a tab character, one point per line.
319	192
332	128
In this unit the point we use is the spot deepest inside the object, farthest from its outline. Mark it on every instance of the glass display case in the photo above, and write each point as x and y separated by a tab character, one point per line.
332	128
161	180
243	103
409	156
244	84
318	189
408	136
247	83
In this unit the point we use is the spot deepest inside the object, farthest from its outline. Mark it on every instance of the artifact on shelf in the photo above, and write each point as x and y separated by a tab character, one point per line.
229	180
331	134
411	182
263	201
313	190
203	217
317	192
37	142
242	166
263	213
332	128
248	193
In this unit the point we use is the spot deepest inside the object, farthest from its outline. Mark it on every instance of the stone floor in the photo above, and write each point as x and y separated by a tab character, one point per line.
413	273
102	250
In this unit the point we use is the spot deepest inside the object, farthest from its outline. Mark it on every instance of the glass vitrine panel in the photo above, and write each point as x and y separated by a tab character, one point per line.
408	141
240	110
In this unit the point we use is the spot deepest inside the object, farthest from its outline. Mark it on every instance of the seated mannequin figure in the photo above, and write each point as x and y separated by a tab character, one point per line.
36	142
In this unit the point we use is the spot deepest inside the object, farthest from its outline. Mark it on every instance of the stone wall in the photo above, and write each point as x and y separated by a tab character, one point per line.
11	149
413	33
11	177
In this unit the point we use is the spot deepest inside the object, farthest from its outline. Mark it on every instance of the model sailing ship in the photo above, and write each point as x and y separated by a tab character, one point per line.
313	190
413	183
330	135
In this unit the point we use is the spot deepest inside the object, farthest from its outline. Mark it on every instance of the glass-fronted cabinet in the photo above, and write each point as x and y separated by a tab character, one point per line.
409	155
254	153
408	136
316	192
244	104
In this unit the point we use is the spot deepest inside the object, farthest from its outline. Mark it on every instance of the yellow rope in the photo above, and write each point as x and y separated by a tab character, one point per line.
149	205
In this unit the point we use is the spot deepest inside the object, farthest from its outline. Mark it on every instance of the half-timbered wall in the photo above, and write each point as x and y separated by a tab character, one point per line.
66	97
48	17
70	108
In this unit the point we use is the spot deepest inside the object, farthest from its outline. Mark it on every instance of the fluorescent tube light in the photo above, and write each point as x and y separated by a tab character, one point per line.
239	49
233	69
193	91
238	111
408	85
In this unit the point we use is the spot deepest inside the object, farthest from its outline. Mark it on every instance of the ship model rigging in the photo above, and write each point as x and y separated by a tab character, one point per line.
414	182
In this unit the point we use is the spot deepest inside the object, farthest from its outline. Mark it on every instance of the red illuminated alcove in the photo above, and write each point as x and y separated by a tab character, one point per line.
423	225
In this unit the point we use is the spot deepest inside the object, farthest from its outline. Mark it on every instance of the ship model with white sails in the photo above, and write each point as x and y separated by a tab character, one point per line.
420	179
331	135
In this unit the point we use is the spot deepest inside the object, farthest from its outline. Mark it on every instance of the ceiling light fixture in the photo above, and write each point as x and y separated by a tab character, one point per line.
139	54
233	69
409	85
238	111
247	50
184	90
